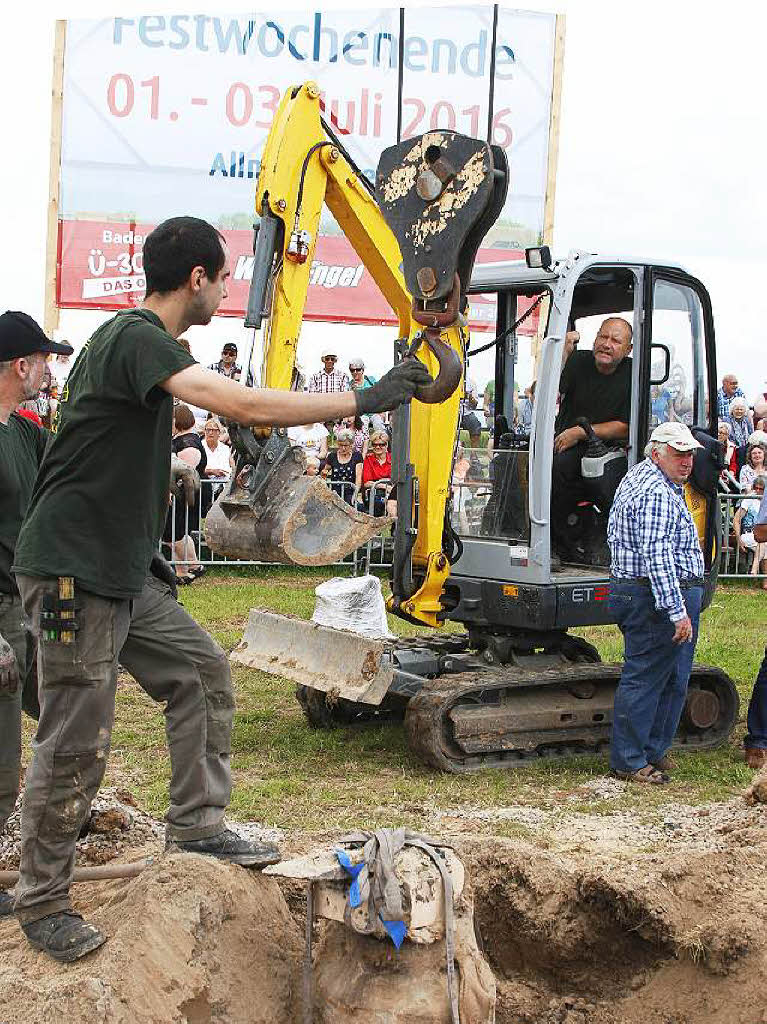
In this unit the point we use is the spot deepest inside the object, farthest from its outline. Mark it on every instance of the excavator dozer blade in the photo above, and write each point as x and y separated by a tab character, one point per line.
340	663
302	522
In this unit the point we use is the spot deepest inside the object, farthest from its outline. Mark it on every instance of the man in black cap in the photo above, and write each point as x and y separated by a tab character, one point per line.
95	517
24	349
227	364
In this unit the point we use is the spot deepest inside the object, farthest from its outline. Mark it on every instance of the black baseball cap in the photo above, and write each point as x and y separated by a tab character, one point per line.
20	335
229	346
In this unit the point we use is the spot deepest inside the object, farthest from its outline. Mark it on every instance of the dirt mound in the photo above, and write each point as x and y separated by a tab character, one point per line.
647	938
191	940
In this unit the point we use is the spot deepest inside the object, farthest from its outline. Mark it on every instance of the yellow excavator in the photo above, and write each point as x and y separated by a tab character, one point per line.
513	684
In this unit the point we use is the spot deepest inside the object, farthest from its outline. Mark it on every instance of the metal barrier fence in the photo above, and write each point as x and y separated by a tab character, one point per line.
739	560
734	562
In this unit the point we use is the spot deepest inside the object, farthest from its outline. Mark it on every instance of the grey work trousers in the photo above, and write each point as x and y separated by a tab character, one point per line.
175	661
13	629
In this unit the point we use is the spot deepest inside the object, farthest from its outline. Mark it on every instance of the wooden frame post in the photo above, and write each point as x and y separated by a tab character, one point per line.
553	157
51	316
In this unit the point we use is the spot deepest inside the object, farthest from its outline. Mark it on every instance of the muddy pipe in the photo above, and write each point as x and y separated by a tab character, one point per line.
101	872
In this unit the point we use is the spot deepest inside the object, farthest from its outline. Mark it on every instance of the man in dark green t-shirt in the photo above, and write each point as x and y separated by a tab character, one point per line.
23	352
95	517
595	385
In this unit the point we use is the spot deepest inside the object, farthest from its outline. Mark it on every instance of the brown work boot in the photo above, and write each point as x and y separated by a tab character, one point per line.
64	936
755	757
665	764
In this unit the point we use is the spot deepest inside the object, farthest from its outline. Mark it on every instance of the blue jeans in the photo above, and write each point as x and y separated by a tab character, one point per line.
656	671
757	710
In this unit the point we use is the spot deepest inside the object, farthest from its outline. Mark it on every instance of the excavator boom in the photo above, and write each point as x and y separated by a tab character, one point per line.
449	181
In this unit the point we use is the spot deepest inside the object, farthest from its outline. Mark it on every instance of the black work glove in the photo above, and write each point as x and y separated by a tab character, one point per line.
395	387
9	669
184	481
164	572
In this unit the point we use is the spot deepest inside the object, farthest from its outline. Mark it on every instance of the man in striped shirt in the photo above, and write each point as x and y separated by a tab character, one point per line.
328	379
655	596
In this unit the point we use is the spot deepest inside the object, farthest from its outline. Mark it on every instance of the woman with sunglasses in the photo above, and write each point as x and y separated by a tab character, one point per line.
377	466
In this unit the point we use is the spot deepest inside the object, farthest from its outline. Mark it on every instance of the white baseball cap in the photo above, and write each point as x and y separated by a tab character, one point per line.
328	352
677	435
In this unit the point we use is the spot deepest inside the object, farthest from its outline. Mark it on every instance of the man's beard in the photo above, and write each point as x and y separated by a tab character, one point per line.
30	391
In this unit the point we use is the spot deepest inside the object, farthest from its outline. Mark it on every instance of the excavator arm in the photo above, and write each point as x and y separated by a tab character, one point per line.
303	167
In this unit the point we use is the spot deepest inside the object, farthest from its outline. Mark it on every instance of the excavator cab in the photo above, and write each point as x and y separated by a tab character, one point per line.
508	574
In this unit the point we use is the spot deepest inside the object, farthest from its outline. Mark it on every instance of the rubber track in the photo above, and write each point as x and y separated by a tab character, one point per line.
427	722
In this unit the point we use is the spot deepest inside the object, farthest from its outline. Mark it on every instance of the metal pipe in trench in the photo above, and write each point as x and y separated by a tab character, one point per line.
101	872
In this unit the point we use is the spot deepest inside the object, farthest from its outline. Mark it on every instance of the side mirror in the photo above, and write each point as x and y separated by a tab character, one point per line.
666	363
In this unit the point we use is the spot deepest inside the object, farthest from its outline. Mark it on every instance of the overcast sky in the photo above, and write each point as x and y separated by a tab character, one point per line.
662	152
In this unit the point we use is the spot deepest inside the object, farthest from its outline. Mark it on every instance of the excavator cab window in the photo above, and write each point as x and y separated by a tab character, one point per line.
490	484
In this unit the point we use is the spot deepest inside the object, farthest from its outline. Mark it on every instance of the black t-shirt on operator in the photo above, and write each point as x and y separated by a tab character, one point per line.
600	397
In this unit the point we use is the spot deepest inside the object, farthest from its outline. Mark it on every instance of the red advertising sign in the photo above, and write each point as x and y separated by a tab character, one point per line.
101	267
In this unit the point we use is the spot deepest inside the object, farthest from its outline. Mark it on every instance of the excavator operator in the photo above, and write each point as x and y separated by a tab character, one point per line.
596	386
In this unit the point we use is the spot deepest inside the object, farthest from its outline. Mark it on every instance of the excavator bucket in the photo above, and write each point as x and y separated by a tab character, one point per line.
342	664
273	512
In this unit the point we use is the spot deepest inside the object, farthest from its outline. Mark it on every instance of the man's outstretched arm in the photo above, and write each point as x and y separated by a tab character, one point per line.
257	407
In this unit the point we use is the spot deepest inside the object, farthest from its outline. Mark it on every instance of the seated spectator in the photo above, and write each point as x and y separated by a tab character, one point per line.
661	405
728	482
469	419
743	527
361	432
218	468
345	466
377	466
312	437
328	379
754	466
726	393
227	364
526	410
740	422
358	379
187	445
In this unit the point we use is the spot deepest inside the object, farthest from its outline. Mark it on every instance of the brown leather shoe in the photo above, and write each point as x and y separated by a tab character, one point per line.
755	757
665	764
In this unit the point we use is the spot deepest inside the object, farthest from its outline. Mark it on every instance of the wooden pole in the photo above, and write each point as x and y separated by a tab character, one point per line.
554	119
99	873
553	157
51	317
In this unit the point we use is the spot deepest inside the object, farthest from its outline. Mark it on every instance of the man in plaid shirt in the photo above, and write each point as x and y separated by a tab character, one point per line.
655	597
328	379
726	393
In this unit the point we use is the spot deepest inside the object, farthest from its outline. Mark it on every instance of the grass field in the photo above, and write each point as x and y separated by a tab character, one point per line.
289	776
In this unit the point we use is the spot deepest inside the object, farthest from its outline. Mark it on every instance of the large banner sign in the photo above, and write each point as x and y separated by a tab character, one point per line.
167	115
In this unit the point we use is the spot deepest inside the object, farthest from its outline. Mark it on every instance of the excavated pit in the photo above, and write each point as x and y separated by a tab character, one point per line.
580	935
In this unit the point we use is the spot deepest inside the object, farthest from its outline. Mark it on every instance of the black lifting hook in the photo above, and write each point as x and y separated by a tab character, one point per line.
450	363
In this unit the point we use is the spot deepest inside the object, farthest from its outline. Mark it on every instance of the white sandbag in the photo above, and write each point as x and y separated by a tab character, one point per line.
354	603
